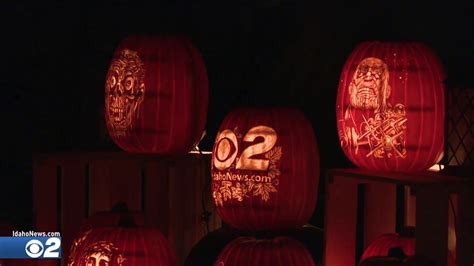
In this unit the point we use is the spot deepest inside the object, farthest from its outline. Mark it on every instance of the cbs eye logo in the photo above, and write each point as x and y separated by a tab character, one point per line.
35	249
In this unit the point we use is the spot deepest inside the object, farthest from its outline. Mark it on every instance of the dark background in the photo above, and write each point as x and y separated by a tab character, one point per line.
257	53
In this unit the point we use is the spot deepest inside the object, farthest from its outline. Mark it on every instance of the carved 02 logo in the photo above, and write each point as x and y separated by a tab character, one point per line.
245	166
227	149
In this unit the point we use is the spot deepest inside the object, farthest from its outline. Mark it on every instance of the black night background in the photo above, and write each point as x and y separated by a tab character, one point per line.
257	53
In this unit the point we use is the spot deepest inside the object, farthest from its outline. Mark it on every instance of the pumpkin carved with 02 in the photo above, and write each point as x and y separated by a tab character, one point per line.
265	169
156	95
390	107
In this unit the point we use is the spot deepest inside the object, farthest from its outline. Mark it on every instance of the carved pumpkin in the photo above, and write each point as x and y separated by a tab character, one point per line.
278	251
156	95
265	169
119	212
207	250
386	245
122	245
390	107
389	261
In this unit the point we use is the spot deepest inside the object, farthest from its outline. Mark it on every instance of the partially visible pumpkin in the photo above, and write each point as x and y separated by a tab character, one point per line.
396	245
390	261
124	244
279	251
207	250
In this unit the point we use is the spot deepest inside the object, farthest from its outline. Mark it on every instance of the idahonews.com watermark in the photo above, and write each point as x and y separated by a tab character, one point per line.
35	234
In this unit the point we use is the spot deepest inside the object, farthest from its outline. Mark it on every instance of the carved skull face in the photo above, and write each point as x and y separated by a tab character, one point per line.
369	86
125	87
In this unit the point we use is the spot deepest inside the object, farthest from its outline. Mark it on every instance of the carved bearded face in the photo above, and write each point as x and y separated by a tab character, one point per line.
101	254
369	87
125	88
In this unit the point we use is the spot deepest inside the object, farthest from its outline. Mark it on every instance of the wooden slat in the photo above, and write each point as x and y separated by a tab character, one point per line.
380	210
45	200
465	241
114	181
157	194
410	207
73	203
432	224
453	211
426	177
340	223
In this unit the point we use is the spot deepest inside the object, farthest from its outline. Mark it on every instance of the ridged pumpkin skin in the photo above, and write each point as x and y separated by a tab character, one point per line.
390	107
280	251
156	95
265	169
381	246
119	246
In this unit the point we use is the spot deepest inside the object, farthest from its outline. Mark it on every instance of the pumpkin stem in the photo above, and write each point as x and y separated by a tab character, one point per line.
126	221
120	207
396	253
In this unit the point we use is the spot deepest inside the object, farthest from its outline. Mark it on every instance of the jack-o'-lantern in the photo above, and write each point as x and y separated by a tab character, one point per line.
265	169
277	251
156	95
396	245
207	250
390	107
121	245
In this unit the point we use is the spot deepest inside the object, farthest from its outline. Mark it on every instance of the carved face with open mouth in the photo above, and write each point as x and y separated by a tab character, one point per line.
369	86
125	88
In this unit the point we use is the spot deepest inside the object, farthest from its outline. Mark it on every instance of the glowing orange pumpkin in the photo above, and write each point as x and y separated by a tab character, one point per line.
265	169
156	95
278	251
390	107
124	244
385	244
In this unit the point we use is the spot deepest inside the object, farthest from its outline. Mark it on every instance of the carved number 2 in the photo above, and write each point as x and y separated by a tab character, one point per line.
245	162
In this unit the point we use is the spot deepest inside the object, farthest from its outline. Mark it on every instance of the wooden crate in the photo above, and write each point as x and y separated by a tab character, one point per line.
169	190
432	192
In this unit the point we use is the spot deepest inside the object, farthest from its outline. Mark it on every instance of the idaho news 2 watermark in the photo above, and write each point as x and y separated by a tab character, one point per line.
31	245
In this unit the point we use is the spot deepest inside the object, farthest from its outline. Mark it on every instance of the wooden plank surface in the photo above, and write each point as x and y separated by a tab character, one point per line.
45	200
380	210
465	241
73	203
114	181
421	178
432	224
340	223
157	205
